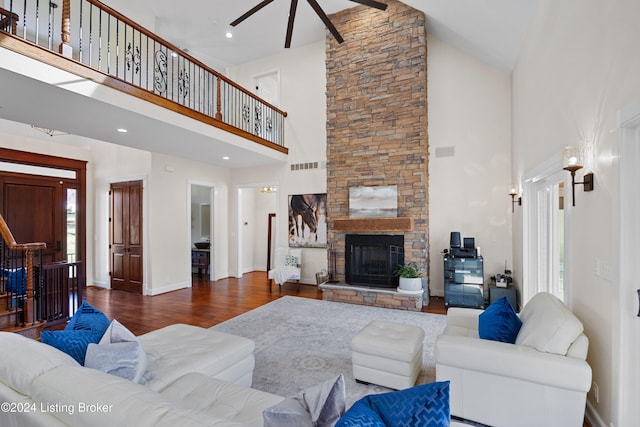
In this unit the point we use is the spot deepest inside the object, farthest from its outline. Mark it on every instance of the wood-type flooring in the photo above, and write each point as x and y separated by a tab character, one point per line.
204	304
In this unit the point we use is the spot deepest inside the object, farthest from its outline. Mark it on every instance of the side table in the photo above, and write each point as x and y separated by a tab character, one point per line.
495	293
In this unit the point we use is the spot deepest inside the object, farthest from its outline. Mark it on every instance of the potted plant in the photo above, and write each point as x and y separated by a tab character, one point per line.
410	277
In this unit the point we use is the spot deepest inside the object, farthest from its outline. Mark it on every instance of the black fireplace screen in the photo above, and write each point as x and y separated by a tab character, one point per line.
370	260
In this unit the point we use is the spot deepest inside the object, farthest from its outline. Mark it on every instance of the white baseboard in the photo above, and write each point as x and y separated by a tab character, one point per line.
100	284
595	420
169	288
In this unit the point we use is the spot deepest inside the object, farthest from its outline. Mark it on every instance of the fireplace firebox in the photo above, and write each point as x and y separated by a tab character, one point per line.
370	260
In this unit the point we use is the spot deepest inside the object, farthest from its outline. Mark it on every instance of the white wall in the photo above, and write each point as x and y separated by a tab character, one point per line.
302	95
169	246
580	64
469	110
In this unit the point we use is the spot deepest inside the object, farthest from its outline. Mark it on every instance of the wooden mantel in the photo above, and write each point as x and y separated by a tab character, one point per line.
373	224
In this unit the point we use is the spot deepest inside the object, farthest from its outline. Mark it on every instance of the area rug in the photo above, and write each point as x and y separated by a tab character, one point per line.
301	342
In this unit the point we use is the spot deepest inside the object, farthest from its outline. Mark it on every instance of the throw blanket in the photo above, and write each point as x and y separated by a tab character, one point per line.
287	272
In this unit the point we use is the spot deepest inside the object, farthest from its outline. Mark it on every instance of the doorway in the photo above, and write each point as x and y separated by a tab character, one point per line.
627	325
255	204
544	231
267	87
201	235
42	199
125	236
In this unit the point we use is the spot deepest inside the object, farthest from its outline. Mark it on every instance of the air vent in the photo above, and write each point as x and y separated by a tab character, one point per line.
308	165
446	151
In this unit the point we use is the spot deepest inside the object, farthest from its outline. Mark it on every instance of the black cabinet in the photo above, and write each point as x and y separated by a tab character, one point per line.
496	292
463	282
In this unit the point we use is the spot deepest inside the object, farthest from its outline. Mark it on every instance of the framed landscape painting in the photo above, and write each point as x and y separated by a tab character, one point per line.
373	202
308	220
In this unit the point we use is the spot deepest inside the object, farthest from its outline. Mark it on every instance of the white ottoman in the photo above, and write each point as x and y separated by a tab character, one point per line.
388	354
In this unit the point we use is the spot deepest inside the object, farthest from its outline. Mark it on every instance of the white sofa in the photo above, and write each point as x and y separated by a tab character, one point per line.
541	380
189	369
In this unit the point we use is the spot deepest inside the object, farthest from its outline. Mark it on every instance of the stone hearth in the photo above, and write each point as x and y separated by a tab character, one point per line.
376	297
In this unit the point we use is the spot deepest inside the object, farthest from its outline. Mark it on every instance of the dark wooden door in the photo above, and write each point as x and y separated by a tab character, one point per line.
125	237
35	210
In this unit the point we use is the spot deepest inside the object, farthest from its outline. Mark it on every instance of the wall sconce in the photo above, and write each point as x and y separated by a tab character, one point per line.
572	162
269	189
513	192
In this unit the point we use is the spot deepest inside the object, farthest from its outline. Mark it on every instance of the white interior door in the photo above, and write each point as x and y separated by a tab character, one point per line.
628	326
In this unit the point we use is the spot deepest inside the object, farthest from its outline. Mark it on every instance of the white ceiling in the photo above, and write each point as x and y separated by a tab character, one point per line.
491	30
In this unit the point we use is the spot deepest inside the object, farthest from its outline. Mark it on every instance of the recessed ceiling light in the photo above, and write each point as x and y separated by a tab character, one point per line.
226	158
122	130
229	35
174	55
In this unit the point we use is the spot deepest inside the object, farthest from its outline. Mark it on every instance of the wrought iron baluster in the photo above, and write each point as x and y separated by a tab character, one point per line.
90	34
108	44
80	30
100	40
37	35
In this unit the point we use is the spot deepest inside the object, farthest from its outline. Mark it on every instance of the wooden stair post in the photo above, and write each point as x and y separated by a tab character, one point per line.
65	46
31	324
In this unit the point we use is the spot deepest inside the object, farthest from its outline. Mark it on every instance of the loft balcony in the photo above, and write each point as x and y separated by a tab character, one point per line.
81	67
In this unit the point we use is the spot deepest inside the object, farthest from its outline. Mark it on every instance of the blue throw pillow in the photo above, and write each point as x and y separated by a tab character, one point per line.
74	343
360	415
499	322
88	318
423	405
16	280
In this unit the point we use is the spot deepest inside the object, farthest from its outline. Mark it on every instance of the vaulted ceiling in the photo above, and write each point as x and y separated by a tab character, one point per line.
491	30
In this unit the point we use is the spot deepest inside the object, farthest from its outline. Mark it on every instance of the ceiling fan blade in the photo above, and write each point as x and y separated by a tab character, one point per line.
314	4
251	12
372	3
292	17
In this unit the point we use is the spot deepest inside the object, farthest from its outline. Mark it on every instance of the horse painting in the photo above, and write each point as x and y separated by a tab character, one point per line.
307	213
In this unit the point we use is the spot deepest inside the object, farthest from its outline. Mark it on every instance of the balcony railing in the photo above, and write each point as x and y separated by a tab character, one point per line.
101	38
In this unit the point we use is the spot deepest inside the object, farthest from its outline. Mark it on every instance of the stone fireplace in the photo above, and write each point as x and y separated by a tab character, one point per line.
377	127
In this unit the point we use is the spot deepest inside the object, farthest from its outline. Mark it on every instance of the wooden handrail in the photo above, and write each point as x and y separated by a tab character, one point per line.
174	48
8	17
8	238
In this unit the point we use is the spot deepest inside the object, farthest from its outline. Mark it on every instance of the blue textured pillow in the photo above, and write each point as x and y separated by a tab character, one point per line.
499	322
360	415
423	405
88	318
74	343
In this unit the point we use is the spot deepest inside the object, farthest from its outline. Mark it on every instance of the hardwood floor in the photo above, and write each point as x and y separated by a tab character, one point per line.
205	304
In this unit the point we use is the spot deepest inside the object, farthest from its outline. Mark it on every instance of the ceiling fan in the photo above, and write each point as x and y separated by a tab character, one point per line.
316	7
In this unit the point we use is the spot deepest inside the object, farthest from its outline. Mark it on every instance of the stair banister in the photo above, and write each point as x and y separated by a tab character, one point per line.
29	249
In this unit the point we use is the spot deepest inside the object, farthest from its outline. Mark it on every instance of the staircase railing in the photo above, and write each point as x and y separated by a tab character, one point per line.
8	21
60	294
96	35
17	276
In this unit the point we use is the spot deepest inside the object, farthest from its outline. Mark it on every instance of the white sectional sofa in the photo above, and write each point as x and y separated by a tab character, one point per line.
196	377
541	380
